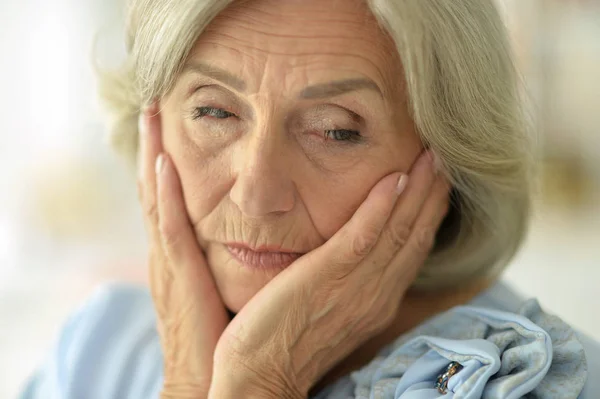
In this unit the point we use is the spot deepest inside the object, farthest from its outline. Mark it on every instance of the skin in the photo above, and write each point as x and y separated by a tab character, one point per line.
263	171
273	177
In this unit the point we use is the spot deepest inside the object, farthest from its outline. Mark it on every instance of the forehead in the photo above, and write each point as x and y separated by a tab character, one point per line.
304	40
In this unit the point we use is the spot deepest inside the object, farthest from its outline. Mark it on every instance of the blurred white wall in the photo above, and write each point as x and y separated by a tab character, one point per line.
68	212
68	216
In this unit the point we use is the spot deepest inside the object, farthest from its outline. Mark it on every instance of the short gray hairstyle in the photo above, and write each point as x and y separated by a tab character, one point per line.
463	95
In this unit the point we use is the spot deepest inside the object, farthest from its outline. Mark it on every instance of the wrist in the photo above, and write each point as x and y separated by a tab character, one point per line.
230	387
254	391
182	390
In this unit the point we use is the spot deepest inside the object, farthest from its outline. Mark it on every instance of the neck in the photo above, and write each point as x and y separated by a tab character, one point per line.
416	307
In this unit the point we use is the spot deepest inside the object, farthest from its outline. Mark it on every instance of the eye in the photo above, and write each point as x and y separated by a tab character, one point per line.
217	113
352	136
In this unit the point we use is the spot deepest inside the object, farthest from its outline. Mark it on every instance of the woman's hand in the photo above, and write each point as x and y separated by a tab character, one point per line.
191	315
333	299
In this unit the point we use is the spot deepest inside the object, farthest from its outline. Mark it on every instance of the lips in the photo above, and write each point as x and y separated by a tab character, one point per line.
262	258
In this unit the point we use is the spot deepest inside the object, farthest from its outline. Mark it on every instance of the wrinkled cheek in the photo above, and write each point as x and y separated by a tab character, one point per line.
205	180
336	204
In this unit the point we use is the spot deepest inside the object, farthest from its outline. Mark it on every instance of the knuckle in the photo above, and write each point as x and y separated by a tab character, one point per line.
398	234
361	245
151	210
170	234
232	347
335	276
424	239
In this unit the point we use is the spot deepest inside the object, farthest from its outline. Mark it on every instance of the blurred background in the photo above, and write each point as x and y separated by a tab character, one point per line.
68	213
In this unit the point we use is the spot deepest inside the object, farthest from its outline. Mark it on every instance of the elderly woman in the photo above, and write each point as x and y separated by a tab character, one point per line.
331	189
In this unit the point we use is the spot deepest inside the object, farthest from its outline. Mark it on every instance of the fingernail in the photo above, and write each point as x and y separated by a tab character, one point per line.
160	163
402	182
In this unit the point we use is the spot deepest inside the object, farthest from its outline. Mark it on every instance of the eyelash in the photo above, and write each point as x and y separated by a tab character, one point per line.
348	136
217	113
351	136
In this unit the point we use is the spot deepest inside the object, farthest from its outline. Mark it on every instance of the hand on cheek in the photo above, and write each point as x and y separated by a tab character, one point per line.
321	308
191	315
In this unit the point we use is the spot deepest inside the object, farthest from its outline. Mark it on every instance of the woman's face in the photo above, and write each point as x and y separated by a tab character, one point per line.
285	116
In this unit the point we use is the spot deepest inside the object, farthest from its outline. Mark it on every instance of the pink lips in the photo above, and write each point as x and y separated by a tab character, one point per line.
262	259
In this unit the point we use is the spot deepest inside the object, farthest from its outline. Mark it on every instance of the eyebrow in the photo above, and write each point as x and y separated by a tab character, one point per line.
339	87
217	73
317	91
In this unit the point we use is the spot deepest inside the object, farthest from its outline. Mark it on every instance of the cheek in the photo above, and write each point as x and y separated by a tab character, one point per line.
204	175
332	199
332	202
204	182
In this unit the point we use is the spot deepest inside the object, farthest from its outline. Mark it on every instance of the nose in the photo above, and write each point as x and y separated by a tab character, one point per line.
263	184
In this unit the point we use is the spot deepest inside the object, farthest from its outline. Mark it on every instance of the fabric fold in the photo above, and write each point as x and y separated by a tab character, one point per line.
503	356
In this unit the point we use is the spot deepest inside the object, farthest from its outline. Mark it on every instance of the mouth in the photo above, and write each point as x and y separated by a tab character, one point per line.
264	257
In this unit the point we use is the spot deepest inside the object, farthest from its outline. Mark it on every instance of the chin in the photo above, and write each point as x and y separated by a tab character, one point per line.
234	300
236	284
236	295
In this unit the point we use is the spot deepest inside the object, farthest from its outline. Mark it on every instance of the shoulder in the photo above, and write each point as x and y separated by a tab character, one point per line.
503	297
500	342
592	354
109	347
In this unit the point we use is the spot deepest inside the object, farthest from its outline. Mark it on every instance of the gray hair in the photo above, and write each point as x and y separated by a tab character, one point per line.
463	95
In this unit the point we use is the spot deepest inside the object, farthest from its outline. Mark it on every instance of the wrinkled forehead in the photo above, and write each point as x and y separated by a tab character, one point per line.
300	40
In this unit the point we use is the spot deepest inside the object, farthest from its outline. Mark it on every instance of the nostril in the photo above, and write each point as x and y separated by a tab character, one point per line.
266	195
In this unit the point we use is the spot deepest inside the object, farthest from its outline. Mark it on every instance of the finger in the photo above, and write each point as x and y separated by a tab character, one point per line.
176	235
150	146
357	237
195	305
397	231
407	262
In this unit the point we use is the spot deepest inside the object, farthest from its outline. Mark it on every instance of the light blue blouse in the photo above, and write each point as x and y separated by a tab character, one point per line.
505	348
